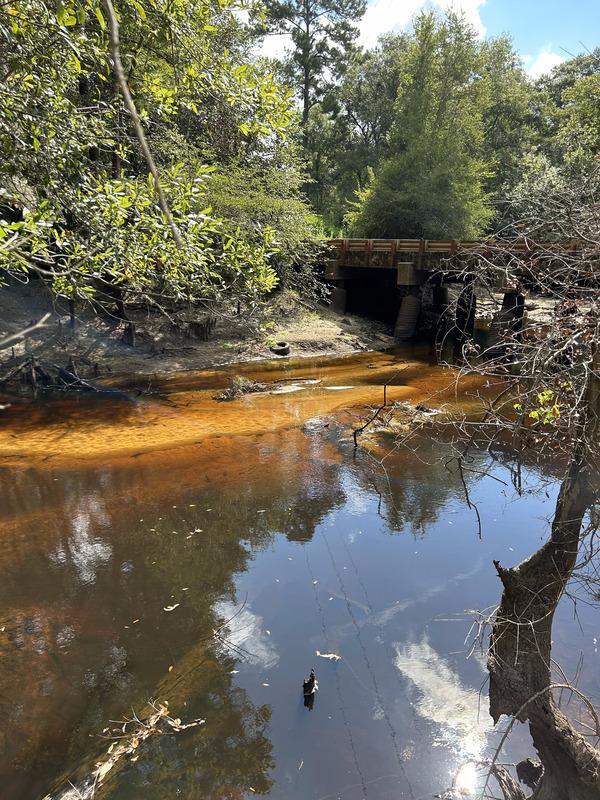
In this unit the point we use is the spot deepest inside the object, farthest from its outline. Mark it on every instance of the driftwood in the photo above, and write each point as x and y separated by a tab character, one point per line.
239	387
35	374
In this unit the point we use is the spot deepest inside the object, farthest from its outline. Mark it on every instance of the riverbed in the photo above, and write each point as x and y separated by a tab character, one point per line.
162	544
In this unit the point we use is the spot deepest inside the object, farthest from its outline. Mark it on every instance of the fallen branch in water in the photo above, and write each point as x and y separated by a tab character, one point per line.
380	409
240	386
127	749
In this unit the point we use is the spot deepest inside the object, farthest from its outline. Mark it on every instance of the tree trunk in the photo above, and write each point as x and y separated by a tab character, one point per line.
519	659
520	644
305	107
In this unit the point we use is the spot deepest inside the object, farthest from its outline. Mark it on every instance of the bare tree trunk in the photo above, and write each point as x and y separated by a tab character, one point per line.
520	645
519	660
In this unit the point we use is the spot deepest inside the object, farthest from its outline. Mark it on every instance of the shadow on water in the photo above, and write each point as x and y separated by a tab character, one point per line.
151	528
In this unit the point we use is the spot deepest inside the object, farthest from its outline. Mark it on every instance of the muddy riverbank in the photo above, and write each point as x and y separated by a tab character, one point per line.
97	347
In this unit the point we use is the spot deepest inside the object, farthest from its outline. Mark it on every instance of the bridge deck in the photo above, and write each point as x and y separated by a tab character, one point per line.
386	253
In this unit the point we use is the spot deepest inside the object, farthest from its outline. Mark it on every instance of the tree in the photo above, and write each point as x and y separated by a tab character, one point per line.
77	201
549	403
348	130
432	182
507	118
321	31
564	111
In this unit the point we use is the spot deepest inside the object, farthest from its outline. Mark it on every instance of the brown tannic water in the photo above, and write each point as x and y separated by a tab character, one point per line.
132	528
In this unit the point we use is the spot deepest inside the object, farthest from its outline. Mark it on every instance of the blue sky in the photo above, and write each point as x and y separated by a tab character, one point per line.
544	32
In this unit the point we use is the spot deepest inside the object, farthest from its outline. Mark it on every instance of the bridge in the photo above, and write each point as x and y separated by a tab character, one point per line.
409	264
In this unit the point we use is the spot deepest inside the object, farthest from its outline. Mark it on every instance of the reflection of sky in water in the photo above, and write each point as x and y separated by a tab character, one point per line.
245	631
462	723
393	718
86	552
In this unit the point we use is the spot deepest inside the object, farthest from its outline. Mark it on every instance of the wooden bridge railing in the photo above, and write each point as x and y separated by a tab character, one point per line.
385	253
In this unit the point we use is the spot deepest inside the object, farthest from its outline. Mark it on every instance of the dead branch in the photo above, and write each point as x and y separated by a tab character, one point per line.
16	336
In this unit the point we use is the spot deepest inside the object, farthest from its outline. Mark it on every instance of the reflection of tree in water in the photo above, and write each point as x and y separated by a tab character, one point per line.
413	491
297	506
106	552
298	516
93	640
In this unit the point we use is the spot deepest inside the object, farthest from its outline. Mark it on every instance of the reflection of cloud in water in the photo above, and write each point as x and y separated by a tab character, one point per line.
389	613
86	552
457	712
358	499
246	632
382	618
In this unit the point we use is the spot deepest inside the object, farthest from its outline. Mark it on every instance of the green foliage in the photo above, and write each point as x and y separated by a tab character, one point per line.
506	114
432	182
76	203
540	180
322	33
548	406
265	195
566	113
347	131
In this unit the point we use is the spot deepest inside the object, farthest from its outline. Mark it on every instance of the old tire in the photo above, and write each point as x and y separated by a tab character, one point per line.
280	348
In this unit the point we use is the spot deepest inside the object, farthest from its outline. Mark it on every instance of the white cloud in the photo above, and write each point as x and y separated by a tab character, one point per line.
274	45
454	708
383	16
543	63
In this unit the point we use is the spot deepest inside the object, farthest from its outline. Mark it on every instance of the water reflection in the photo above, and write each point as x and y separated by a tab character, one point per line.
118	571
87	552
461	722
245	635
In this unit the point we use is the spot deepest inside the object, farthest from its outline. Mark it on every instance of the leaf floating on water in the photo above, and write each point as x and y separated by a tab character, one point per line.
171	668
314	583
262	511
265	684
103	770
170	608
269	632
332	656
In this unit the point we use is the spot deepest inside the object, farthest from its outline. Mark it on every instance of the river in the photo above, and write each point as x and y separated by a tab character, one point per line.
167	545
